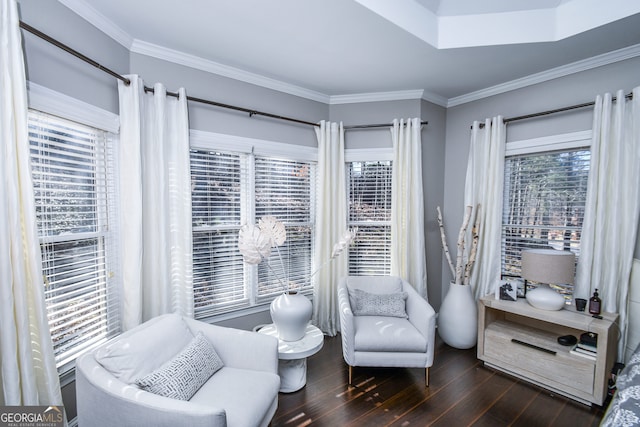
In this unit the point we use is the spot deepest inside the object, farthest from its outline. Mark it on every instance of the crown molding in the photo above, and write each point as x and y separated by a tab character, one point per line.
95	18
399	95
98	20
192	61
435	99
554	73
376	97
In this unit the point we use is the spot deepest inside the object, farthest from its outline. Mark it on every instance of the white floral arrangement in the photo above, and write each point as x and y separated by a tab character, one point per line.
256	243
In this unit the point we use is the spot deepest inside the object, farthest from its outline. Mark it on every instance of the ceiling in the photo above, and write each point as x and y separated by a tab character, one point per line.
445	51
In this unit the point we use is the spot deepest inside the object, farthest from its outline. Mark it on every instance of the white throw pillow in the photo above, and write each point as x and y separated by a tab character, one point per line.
368	304
182	377
144	348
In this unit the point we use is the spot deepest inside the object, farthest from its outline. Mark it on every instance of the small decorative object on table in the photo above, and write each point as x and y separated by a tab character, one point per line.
508	287
291	311
594	303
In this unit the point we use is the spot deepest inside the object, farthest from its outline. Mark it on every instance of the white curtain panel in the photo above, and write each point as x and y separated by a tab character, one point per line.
408	255
28	369
155	187
484	185
331	223
612	209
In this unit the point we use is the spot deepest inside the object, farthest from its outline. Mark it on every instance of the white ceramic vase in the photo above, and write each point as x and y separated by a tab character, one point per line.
458	317
291	313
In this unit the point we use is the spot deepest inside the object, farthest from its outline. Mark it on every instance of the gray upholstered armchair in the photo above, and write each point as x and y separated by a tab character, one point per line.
375	329
118	383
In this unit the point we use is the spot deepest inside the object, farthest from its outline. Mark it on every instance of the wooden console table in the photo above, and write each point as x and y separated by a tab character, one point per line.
521	340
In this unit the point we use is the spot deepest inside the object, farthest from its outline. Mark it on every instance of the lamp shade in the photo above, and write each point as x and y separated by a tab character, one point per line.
548	266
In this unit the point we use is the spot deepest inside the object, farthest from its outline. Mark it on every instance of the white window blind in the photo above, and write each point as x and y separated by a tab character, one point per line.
544	201
369	198
229	190
72	170
283	189
218	212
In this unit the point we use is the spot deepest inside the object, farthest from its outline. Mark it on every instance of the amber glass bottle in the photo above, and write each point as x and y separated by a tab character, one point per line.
594	303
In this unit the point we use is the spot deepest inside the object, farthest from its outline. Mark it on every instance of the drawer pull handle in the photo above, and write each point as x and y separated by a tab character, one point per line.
526	344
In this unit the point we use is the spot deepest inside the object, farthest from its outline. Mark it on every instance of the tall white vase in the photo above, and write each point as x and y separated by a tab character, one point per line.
458	317
291	313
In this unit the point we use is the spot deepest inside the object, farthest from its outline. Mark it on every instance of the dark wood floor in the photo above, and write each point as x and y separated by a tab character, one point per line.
462	392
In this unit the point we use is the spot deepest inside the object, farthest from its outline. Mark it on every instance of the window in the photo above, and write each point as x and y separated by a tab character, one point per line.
283	189
369	199
218	212
232	189
544	201
72	166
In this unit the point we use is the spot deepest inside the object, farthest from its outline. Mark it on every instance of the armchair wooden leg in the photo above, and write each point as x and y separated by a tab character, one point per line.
427	377
350	373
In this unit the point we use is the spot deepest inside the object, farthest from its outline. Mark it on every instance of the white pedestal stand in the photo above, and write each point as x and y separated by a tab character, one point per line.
292	355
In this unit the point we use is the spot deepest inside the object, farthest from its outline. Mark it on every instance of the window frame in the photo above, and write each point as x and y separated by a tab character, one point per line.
367	155
252	148
53	103
558	143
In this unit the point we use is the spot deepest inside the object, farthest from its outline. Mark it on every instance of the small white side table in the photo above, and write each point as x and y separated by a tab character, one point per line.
292	356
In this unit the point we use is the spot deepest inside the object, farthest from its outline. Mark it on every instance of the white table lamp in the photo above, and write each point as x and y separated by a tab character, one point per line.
547	266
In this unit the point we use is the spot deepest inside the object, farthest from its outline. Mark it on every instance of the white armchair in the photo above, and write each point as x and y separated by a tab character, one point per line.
244	392
383	340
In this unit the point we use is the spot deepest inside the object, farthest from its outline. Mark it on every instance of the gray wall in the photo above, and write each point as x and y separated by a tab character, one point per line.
365	113
433	139
574	89
53	68
204	85
433	165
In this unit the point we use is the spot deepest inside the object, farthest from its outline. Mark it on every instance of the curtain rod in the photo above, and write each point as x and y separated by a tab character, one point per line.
127	82
379	125
73	52
554	111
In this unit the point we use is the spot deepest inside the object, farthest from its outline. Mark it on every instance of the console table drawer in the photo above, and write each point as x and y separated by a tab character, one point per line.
535	353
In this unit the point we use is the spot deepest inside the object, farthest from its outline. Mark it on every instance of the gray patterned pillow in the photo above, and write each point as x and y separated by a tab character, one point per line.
183	375
367	304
